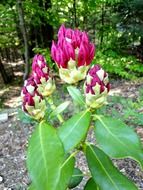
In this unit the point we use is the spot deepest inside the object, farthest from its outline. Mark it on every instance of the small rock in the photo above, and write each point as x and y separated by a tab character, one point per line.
123	170
1	179
3	117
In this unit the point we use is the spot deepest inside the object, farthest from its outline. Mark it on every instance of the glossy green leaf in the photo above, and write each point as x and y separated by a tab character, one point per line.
76	95
66	173
74	130
60	109
117	139
76	178
104	173
45	157
91	185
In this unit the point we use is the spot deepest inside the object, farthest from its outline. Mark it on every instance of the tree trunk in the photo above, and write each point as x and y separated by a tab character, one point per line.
25	38
46	28
74	13
41	36
4	75
102	24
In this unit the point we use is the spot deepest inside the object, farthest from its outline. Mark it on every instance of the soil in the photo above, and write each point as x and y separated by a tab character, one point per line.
14	136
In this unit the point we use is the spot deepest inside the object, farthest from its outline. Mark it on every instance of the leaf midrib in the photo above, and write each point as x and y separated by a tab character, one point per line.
42	149
71	129
112	134
77	95
79	98
104	169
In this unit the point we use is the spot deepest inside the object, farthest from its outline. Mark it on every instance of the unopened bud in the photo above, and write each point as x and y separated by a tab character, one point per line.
34	105
73	54
96	87
45	83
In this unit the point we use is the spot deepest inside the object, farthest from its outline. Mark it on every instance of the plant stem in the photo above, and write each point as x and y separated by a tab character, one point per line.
53	107
72	155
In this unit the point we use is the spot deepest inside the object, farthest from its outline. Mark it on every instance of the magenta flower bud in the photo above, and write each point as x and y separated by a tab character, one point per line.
28	100
32	101
82	55
29	86
68	50
34	105
85	38
61	31
61	58
40	72
38	61
53	51
96	87
73	54
78	35
68	33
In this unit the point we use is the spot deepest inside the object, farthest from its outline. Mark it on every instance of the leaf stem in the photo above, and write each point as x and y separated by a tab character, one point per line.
72	155
53	107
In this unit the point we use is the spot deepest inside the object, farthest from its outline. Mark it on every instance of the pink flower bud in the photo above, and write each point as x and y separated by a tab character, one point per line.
72	53
61	58
34	105
68	50
38	61
32	101
90	56
78	35
28	100
68	33
96	87
82	55
29	86
40	73
61	31
53	51
85	38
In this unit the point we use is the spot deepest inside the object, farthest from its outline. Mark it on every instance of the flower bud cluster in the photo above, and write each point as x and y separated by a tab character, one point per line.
33	102
42	78
73	54
96	87
38	86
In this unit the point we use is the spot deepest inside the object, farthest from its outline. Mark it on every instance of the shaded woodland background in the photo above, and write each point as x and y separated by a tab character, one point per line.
115	26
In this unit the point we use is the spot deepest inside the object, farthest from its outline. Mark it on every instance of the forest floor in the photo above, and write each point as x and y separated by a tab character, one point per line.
14	137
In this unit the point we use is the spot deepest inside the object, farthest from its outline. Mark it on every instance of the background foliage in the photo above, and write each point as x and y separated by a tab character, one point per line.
116	27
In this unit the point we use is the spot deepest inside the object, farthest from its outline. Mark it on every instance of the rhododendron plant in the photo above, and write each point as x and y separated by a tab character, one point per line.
59	137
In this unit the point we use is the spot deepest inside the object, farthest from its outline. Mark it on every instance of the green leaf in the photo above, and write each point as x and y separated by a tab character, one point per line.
118	140
76	178
74	130
60	109
31	187
66	173
45	157
104	173
25	118
91	185
76	95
